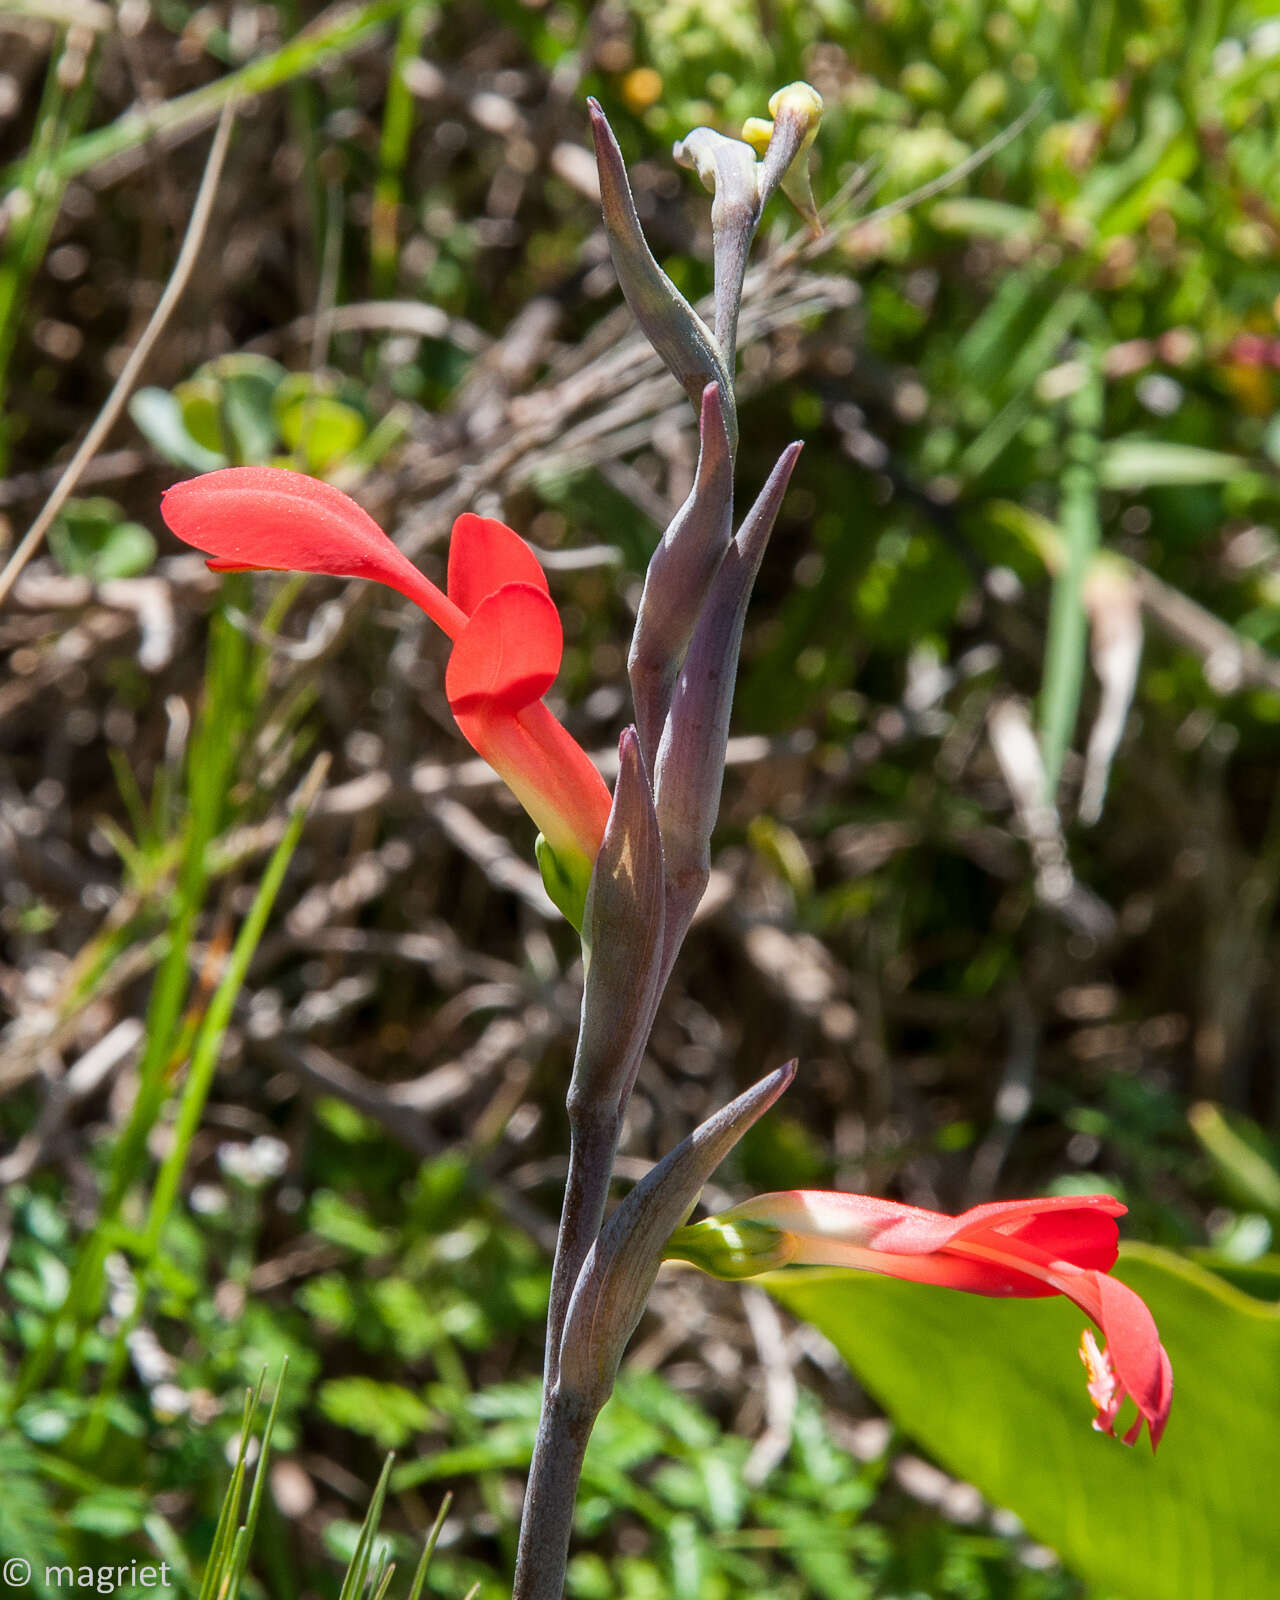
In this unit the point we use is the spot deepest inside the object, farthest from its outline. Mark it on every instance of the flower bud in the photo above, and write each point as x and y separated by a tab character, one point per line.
796	111
680	573
622	944
727	167
690	763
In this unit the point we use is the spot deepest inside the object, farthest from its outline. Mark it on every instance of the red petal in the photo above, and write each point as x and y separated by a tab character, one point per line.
1087	1239
508	654
1000	1222
485	555
1137	1356
270	518
545	768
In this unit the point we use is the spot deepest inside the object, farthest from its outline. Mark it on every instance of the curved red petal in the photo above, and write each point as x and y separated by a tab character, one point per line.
1137	1356
484	556
508	654
270	518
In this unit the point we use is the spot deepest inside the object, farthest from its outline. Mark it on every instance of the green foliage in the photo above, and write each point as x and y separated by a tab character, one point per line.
659	1466
94	539
387	1413
242	410
1003	1405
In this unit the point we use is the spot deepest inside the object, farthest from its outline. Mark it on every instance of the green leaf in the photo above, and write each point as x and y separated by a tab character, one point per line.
92	539
201	401
993	1389
1135	463
249	384
384	1412
157	414
320	430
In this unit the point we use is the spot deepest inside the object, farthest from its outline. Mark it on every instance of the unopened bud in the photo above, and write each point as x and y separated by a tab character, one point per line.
728	169
680	573
622	945
690	765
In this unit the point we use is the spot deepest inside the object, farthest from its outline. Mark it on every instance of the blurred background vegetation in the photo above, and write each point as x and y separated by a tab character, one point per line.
281	1072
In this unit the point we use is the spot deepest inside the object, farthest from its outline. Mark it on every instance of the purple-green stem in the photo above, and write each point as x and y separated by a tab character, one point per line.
547	1522
565	1422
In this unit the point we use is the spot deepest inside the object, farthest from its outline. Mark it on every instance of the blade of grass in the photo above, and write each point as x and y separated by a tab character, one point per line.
63	108
429	1549
208	1047
358	1567
205	1055
250	1527
1067	640
222	1549
211	757
393	152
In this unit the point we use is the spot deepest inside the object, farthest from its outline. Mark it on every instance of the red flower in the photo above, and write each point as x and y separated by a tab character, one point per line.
505	629
1065	1245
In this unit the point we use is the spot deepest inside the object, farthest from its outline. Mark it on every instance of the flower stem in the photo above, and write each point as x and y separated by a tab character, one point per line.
593	1139
565	1422
563	1430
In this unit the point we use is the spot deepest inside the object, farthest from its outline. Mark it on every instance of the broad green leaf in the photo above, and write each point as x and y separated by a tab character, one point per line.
201	401
322	431
248	385
1134	463
158	417
1259	1277
993	1389
92	539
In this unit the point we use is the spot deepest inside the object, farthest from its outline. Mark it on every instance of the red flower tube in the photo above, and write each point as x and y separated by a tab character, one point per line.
506	633
1065	1245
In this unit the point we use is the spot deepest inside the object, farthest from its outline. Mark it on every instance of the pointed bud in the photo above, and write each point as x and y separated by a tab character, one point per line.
679	576
671	325
617	1276
622	945
728	169
690	764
